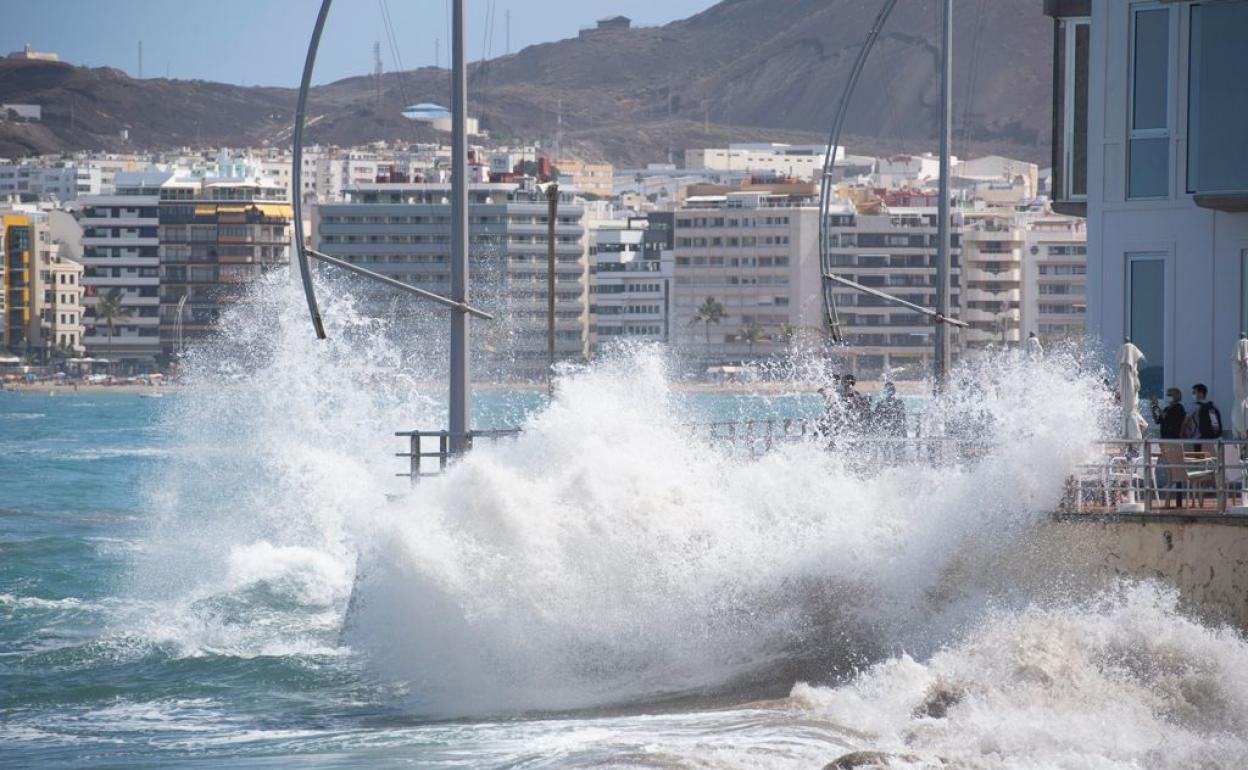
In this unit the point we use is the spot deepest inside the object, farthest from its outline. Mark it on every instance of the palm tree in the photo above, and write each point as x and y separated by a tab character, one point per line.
110	310
751	335
709	312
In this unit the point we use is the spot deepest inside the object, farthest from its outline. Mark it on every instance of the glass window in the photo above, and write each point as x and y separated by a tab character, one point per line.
1149	144
1071	105
1243	293
1146	318
1217	158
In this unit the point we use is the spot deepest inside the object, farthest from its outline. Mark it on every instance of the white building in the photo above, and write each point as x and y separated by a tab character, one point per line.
754	254
1055	302
799	161
1150	110
120	251
60	181
907	170
993	244
630	281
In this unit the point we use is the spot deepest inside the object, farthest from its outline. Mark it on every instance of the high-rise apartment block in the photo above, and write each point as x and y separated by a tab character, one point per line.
217	236
746	271
630	284
1055	281
894	250
403	230
120	242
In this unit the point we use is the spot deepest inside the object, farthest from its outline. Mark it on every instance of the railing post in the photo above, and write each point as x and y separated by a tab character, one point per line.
1149	478
414	448
1219	476
444	449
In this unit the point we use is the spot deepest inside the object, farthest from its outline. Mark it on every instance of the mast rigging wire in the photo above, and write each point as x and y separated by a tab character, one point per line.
829	162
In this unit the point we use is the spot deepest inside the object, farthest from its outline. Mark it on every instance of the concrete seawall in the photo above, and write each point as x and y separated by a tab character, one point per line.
1204	556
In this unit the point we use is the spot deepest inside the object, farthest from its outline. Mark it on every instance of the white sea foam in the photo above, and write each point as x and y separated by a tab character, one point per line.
604	557
1122	681
32	602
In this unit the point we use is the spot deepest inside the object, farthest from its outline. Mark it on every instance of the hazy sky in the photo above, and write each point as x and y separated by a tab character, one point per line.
263	42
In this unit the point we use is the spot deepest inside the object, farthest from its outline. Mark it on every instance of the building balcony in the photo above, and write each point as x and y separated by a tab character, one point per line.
971	274
127	222
124	280
120	241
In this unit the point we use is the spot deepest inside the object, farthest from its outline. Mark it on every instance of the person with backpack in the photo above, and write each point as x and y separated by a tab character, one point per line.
1205	421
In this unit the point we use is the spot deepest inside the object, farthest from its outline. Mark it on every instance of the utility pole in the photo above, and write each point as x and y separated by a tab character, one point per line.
941	362
460	402
552	214
507	14
437	53
140	60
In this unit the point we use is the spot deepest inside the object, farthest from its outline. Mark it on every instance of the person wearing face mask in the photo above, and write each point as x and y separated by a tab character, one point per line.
1170	419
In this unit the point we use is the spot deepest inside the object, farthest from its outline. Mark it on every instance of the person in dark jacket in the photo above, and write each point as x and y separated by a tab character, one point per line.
1207	417
1171	418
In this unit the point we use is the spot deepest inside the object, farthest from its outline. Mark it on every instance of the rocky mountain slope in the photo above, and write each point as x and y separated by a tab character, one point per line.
743	70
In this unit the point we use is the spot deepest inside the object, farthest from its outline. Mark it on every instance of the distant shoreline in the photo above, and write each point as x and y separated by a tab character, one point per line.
744	389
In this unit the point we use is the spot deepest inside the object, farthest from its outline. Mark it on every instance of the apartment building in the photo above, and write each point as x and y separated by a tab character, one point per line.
799	161
630	281
120	242
895	250
1149	112
402	230
17	237
43	285
217	236
745	271
1055	265
993	245
60	181
596	179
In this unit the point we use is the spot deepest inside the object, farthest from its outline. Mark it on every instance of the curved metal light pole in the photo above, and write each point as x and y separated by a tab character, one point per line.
829	161
301	256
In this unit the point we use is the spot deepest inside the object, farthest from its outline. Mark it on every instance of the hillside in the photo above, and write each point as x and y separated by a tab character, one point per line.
744	70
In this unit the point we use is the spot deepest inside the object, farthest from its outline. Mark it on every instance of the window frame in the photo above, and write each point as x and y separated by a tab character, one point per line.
1069	27
1162	256
1166	132
1192	123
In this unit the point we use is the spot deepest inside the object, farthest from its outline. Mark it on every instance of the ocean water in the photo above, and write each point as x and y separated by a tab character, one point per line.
233	576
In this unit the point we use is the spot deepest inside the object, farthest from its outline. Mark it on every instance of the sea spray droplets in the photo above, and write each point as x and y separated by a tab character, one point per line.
605	556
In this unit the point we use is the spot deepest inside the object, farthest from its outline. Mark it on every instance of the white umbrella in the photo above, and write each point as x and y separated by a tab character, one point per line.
1239	372
1129	358
1133	425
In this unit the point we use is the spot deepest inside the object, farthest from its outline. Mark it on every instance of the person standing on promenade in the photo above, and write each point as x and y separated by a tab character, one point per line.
1170	419
1207	418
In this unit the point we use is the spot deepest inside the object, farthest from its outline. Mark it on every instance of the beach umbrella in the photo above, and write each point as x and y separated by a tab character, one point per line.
1129	358
1239	364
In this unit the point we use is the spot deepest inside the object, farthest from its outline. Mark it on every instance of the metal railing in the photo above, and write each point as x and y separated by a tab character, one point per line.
419	450
1151	476
1159	476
